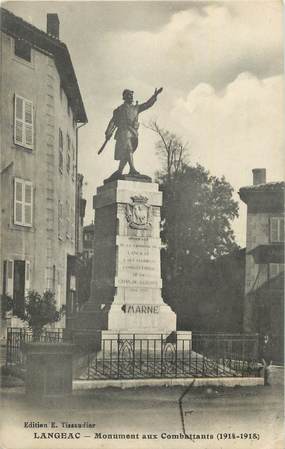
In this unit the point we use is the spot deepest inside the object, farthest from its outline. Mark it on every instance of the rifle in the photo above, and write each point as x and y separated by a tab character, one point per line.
110	130
103	146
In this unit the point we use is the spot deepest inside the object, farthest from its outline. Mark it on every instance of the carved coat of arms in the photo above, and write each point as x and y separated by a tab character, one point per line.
138	213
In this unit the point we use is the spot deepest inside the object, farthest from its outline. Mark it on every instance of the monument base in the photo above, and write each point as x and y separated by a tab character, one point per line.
126	279
128	177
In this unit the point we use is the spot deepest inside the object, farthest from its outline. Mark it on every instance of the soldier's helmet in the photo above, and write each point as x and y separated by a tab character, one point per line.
127	93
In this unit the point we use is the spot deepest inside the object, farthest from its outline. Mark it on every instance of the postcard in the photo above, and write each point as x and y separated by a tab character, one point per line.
142	224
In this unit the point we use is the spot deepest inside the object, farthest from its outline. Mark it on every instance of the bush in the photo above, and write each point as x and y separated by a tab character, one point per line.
39	310
6	304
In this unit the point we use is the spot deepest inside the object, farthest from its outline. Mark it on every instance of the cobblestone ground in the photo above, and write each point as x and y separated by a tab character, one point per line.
248	417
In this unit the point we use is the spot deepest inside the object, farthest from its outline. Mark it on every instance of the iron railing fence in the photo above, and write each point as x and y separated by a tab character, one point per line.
133	356
17	336
206	355
226	345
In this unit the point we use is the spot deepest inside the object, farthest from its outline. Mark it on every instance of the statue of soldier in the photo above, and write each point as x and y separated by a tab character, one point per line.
125	122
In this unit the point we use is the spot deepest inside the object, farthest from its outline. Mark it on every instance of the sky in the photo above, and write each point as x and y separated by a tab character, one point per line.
221	67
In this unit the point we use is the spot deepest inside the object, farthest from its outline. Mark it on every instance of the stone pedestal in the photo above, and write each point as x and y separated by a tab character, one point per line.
49	369
126	280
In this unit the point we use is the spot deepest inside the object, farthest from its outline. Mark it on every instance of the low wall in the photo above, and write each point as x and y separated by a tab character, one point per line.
197	382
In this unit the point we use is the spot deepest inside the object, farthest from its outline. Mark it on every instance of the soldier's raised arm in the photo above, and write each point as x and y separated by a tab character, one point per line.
150	102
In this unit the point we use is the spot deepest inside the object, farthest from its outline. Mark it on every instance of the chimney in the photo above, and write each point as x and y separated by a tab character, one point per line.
259	176
53	25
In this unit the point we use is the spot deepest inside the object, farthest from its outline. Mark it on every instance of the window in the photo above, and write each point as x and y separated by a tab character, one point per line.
60	92
60	140
60	219
67	219
9	278
60	153
68	155
23	49
23	122
73	163
68	163
275	269
72	227
23	202
17	276
277	229
27	276
68	143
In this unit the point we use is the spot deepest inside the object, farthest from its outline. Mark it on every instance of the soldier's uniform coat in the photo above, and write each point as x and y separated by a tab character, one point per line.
125	119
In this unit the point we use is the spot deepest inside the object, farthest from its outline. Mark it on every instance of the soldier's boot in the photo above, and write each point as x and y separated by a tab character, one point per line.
134	172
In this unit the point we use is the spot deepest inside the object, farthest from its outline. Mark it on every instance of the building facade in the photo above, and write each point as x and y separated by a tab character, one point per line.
264	272
88	241
41	111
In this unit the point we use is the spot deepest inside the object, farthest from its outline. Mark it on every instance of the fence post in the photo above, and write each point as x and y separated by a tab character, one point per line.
118	356
134	354
217	354
161	355
175	343
7	346
88	361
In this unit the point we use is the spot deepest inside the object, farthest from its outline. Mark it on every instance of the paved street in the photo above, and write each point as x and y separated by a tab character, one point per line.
236	412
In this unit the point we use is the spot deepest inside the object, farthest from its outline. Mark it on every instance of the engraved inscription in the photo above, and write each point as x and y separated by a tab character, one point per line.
139	263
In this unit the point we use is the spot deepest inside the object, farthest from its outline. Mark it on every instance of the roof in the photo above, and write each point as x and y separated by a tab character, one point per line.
268	188
268	253
19	28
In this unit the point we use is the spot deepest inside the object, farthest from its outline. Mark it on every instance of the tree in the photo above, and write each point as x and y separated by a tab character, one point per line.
197	215
172	151
40	310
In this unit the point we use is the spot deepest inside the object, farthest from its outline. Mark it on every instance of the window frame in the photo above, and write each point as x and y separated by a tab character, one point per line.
60	149
18	40
24	123
60	220
277	267
279	220
67	219
68	155
23	203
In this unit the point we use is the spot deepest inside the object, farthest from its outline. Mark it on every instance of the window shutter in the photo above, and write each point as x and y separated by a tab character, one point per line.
9	281
60	145
273	270
23	202
18	201
68	163
60	215
58	298
60	161
72	231
29	123
19	120
27	276
60	139
67	219
23	126
28	203
274	229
